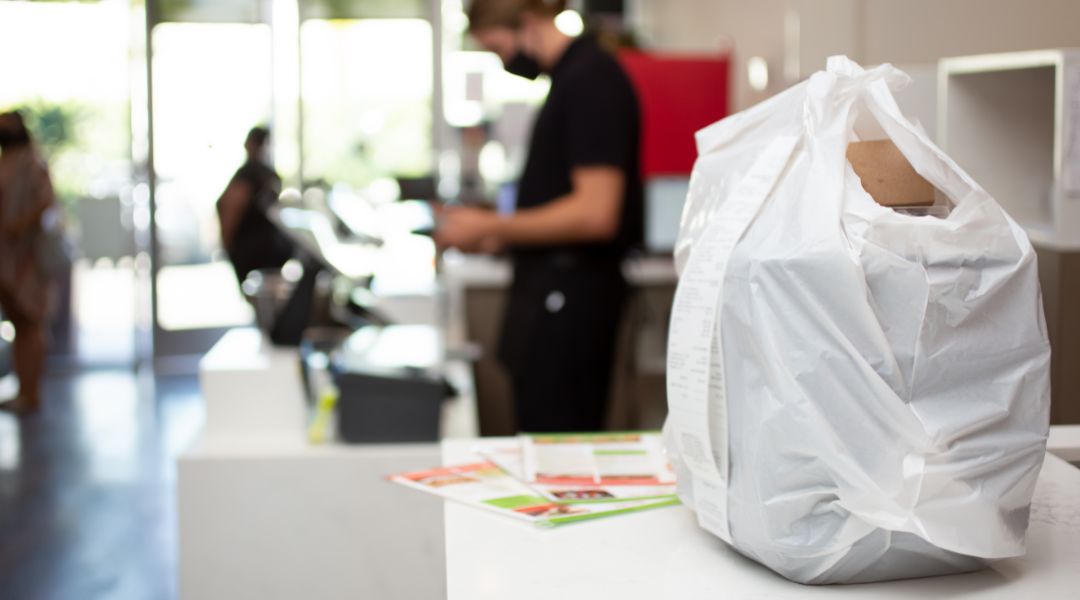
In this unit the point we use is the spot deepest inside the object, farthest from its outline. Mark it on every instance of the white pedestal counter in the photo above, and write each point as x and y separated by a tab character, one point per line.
264	514
664	555
253	390
295	521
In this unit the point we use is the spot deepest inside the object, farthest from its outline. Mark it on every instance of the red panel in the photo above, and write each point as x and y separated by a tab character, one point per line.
679	95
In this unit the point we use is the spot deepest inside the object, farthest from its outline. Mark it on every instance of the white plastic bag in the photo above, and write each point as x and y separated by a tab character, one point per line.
855	394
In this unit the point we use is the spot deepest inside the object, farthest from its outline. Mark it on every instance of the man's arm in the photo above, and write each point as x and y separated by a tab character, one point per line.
589	213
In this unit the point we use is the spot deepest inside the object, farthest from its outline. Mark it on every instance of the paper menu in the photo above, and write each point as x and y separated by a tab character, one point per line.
511	461
607	459
484	485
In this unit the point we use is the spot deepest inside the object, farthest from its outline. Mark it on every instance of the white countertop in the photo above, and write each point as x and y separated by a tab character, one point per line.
1064	442
663	554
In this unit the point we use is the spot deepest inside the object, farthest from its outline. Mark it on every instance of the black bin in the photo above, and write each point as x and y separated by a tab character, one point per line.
390	385
378	409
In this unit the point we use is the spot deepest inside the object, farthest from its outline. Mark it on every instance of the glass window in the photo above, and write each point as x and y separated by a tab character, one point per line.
212	83
366	88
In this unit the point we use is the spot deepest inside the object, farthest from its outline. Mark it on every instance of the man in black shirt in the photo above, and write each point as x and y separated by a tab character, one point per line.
579	210
250	239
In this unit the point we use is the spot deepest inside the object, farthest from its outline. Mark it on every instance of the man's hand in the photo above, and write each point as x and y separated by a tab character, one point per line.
468	229
590	213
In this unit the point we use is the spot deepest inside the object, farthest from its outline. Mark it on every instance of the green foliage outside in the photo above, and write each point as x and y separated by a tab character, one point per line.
82	143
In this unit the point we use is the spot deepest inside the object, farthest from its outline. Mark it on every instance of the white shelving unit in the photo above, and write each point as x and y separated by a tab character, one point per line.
1013	122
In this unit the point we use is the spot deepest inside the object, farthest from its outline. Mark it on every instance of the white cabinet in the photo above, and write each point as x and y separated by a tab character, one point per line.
1013	122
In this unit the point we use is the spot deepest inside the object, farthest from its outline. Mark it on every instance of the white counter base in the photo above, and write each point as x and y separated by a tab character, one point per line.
264	514
252	389
287	522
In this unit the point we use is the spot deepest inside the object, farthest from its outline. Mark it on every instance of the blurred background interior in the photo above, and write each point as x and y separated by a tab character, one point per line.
377	107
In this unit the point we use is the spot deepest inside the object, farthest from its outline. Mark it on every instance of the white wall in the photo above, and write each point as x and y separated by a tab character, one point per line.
920	31
905	32
753	28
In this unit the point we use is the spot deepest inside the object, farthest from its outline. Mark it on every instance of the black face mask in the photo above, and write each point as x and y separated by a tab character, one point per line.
523	66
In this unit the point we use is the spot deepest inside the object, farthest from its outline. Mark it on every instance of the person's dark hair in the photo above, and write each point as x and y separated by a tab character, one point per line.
487	14
13	131
258	136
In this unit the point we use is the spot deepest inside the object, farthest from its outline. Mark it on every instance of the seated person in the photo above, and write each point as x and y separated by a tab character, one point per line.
249	238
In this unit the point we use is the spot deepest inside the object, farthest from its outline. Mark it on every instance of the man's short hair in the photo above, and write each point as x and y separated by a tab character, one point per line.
487	14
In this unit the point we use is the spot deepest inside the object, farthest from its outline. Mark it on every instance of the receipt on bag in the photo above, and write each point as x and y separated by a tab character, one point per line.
695	363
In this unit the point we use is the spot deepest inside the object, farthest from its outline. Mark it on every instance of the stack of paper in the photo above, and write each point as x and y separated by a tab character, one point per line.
559	478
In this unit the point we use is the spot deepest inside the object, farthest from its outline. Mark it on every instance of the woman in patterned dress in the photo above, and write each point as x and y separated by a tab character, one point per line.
26	193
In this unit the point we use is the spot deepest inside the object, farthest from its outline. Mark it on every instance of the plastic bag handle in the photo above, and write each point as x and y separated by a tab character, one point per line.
827	107
841	65
930	162
844	82
832	93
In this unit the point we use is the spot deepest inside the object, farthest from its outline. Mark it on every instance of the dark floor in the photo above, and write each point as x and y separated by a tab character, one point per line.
87	505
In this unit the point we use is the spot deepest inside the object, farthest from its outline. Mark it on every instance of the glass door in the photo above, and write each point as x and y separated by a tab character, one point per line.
212	80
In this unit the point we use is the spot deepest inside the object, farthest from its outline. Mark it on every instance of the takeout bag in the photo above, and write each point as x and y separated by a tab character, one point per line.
855	394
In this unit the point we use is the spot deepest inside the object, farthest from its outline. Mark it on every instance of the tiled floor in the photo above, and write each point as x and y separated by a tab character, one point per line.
87	505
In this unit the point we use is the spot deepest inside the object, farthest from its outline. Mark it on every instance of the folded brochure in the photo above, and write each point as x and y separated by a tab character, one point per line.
485	485
626	458
577	489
